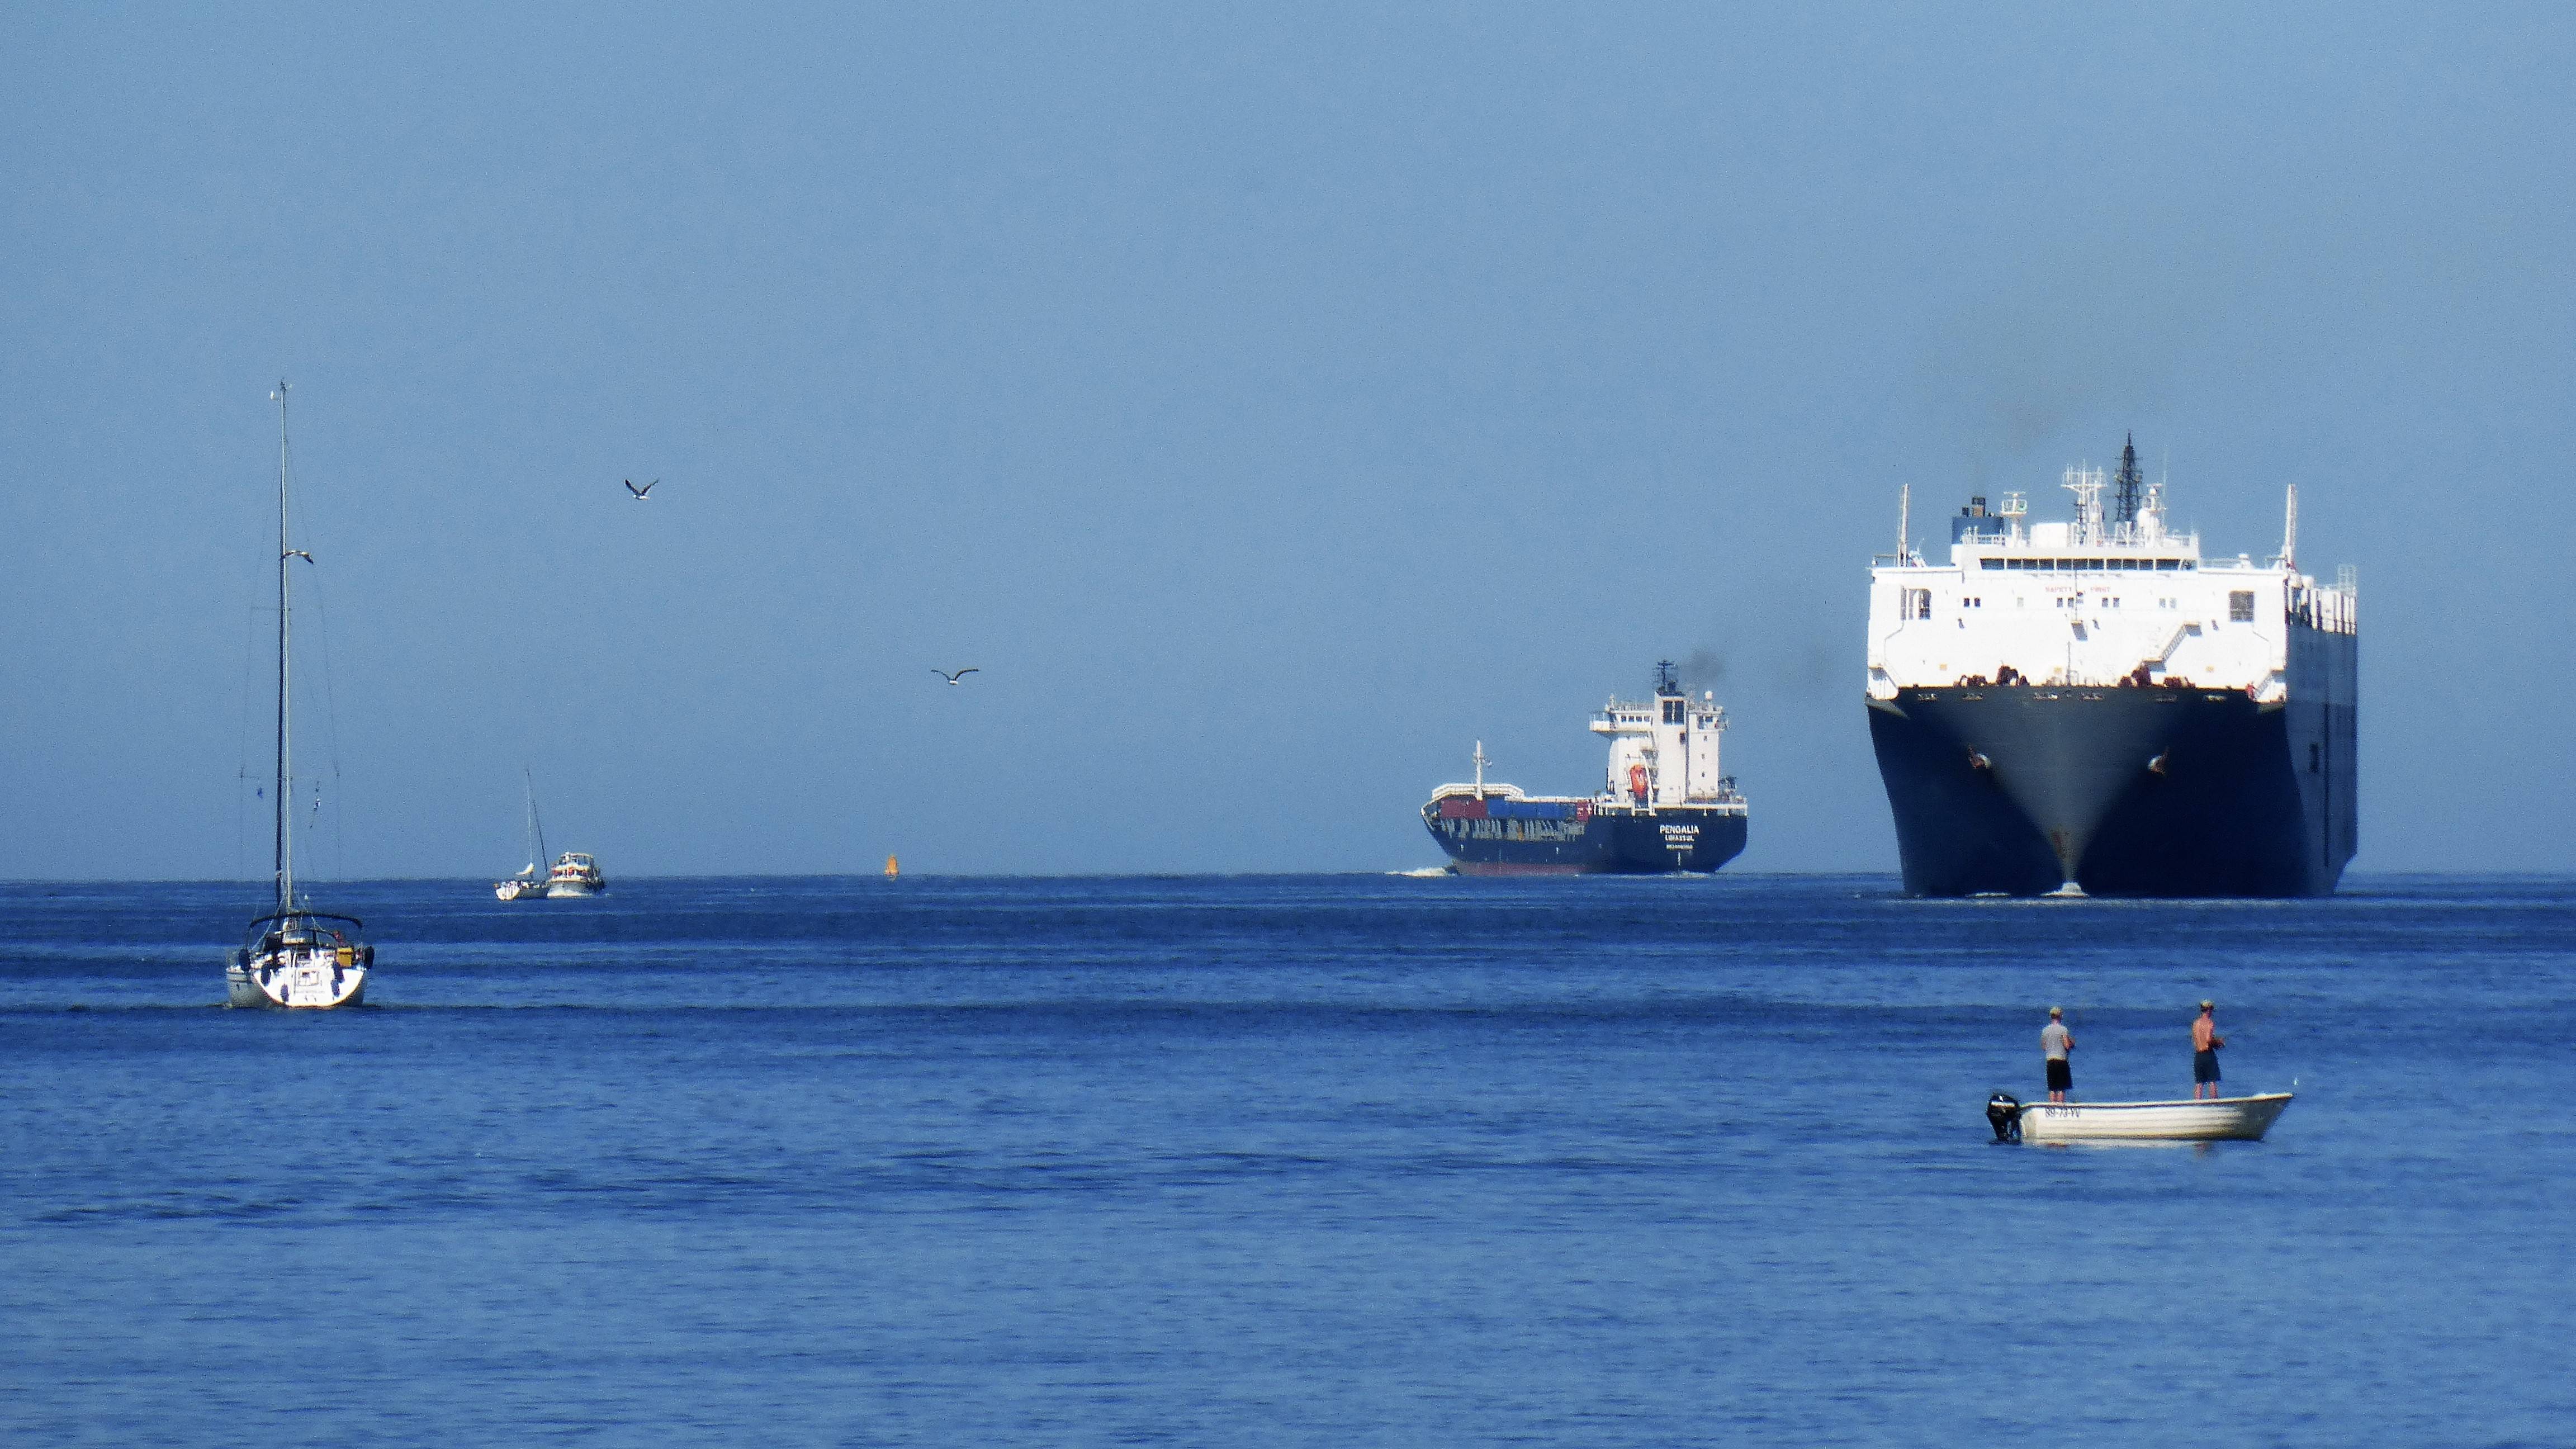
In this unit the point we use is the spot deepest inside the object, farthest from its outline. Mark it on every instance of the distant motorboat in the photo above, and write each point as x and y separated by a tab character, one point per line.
2243	1119
575	874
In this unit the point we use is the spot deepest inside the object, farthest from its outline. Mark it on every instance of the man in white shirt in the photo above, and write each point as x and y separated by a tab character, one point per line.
2055	1041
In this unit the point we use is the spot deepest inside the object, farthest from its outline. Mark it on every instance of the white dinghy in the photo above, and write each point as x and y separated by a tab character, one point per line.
2243	1119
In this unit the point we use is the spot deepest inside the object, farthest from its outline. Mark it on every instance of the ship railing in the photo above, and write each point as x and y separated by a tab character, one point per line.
2331	610
1472	790
1652	709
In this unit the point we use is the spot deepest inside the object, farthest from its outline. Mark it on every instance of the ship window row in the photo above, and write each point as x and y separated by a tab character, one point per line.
2087	565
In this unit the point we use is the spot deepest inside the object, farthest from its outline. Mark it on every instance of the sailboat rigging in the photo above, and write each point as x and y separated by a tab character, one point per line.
294	957
530	883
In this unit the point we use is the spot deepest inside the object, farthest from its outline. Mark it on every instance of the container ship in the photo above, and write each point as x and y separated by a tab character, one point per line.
1664	804
2092	705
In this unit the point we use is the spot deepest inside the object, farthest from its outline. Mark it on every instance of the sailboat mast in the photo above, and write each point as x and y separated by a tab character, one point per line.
285	858
536	828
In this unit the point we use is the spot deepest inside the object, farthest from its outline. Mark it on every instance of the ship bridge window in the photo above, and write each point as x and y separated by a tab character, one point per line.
1917	604
2240	607
1672	711
1990	563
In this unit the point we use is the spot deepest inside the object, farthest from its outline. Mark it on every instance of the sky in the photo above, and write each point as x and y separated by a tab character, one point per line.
1269	402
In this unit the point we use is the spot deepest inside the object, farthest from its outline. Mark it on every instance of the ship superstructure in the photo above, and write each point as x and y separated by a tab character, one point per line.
2093	703
1665	804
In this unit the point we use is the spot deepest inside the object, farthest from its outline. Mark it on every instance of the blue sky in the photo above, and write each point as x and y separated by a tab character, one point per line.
1271	403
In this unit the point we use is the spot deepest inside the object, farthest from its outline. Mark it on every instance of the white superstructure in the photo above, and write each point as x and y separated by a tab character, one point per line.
1664	751
2093	601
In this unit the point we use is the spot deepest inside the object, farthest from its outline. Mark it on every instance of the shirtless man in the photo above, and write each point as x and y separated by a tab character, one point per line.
2205	1042
2055	1041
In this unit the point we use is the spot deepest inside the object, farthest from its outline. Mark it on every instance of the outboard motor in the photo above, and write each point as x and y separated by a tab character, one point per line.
2003	1112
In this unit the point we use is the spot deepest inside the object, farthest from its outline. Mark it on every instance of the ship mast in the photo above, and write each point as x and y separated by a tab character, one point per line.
285	863
2125	496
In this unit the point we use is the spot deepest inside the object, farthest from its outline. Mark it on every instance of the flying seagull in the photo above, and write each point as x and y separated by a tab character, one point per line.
640	493
295	553
953	678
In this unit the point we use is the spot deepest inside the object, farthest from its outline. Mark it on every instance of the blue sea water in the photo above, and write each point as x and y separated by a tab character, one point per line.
1290	1160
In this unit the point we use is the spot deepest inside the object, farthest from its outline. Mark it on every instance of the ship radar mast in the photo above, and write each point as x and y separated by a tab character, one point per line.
1481	762
1667	680
2126	488
2086	484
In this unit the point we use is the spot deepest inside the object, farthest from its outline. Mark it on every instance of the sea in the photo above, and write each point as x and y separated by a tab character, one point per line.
1284	1160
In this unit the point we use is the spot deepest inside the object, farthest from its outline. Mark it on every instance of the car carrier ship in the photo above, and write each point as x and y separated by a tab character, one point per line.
2093	705
1664	805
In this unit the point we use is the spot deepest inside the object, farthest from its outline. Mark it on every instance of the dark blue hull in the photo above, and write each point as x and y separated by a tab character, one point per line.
1615	841
2019	790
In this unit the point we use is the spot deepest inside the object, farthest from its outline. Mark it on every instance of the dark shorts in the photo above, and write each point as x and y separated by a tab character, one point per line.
2204	1066
2060	1076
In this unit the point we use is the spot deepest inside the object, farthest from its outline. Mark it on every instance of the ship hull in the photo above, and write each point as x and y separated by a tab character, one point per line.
2022	790
1591	842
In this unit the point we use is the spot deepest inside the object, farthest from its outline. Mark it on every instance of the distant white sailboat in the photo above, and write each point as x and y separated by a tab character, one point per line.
530	883
293	957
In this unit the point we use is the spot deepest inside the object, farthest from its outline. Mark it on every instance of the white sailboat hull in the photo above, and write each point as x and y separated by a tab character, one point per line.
2227	1118
306	985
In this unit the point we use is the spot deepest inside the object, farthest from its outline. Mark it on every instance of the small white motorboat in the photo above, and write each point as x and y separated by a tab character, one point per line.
2243	1119
575	874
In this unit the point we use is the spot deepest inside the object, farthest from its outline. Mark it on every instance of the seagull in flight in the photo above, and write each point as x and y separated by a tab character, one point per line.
640	493
953	678
295	553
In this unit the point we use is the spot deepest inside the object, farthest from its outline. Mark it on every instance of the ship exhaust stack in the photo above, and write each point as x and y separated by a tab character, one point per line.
2290	531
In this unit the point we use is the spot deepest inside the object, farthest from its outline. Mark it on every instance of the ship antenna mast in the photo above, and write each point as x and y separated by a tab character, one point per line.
2124	499
2290	532
1481	763
1904	520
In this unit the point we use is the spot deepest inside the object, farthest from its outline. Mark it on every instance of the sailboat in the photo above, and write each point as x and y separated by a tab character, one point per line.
530	883
294	957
